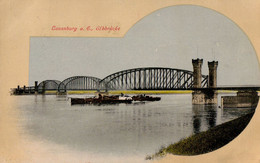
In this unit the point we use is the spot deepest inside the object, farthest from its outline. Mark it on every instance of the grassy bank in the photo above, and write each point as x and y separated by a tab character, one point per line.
207	141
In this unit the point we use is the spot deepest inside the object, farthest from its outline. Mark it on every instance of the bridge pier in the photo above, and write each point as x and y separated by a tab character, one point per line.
198	97
36	87
244	99
206	96
43	88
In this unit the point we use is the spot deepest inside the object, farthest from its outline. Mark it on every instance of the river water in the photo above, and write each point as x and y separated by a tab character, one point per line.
136	129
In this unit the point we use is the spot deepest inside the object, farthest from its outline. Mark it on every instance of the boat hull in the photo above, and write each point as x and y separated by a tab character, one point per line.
98	101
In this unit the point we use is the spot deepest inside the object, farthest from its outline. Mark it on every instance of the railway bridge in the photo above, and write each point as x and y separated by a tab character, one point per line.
204	87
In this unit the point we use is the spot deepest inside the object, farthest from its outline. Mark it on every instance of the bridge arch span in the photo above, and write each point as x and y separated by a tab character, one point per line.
48	85
151	78
79	83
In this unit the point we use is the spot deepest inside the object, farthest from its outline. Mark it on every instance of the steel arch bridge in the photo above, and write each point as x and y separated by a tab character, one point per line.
48	85
79	83
151	78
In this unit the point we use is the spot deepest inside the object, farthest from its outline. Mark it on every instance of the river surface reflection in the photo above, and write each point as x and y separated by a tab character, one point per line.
136	129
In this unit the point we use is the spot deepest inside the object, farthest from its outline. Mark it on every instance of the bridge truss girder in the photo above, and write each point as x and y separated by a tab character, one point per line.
152	78
48	85
79	83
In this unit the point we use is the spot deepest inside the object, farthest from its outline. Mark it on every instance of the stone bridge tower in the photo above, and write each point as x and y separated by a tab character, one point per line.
211	96
198	96
197	64
212	74
204	96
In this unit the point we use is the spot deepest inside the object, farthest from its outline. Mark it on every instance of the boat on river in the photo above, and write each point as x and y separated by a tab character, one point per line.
114	99
145	98
102	100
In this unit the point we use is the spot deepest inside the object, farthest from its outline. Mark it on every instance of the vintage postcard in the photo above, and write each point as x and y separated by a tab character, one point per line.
119	81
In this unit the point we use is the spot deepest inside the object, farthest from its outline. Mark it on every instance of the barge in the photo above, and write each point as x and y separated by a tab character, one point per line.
145	98
102	100
115	99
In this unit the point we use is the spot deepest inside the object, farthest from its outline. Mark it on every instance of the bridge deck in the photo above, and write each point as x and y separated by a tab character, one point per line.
256	88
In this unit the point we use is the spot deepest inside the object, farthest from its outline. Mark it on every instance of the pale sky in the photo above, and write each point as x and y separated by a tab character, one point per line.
169	37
